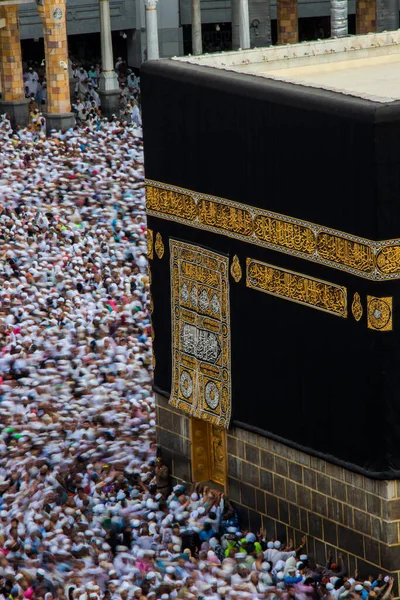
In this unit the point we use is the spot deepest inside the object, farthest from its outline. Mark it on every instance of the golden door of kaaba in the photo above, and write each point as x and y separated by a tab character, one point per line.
201	353
209	457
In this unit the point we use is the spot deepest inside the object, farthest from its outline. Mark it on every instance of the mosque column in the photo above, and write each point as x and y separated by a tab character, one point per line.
109	91
53	15
235	24
153	51
288	22
365	16
13	100
244	25
387	15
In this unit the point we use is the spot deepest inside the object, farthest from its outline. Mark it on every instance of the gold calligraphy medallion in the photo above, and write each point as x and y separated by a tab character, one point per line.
236	269
159	246
379	313
150	252
356	307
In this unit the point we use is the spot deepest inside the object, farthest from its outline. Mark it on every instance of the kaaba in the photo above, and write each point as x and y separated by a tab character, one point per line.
273	190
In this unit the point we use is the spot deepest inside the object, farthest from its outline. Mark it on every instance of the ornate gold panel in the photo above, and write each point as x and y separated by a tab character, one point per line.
375	260
171	203
286	235
150	251
388	260
356	307
380	313
236	269
209	454
159	246
201	353
200	450
217	454
227	218
296	287
346	252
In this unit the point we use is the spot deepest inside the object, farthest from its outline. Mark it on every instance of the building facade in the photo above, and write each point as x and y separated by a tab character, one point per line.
127	22
174	21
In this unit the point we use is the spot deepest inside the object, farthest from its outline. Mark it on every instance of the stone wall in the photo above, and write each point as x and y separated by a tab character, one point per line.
173	436
291	493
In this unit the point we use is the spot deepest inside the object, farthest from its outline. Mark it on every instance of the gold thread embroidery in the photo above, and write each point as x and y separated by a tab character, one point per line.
149	272
380	313
296	287
201	377
159	246
287	235
377	261
171	203
345	252
236	269
388	260
356	307
150	251
227	218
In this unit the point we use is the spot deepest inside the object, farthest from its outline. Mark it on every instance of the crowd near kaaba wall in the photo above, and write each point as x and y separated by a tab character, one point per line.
273	217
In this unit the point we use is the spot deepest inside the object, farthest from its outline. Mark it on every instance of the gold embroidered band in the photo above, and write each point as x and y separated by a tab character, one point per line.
377	261
296	287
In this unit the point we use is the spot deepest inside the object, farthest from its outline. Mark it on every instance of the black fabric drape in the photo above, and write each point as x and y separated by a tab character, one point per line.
322	383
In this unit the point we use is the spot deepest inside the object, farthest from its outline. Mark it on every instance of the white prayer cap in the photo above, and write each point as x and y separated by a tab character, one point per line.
329	586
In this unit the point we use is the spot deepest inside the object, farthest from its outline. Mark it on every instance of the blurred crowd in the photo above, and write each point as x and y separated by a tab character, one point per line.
86	509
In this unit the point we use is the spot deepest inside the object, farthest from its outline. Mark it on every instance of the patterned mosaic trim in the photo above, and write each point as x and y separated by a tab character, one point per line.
377	261
296	287
201	347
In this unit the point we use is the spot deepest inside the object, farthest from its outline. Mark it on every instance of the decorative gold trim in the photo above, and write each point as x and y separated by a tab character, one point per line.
377	261
236	269
296	287
356	307
201	347
150	249
159	246
380	313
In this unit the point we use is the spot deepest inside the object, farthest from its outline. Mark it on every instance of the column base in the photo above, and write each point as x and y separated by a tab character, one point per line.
108	81
17	110
59	121
109	103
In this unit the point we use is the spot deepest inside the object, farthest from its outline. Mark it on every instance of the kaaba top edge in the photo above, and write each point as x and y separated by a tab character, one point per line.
363	66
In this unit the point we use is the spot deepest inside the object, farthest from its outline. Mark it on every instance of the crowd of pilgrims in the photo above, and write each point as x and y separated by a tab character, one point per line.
86	510
86	103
